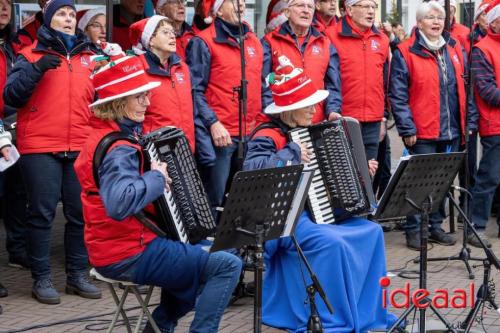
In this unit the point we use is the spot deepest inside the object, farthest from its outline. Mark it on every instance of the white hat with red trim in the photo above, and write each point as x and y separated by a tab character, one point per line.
120	78
493	11
481	8
292	89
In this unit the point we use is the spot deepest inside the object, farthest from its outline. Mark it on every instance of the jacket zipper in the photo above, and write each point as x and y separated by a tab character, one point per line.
442	64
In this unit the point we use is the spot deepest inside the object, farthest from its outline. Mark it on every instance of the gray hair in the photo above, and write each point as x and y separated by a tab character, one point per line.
425	7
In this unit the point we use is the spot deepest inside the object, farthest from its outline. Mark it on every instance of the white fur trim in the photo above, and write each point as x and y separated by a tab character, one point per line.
217	5
146	87
493	14
89	15
208	20
314	99
149	29
353	2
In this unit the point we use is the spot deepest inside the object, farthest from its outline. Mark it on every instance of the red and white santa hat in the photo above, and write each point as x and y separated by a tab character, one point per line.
120	78
481	8
292	89
210	7
141	32
84	16
493	11
275	14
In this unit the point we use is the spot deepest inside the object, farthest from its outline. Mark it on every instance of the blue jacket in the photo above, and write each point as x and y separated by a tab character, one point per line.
333	102
262	151
123	190
399	88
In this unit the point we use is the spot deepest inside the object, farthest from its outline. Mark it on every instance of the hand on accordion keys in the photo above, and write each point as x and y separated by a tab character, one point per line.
305	153
162	168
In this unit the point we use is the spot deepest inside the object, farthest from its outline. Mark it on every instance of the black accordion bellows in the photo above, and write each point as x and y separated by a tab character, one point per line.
184	212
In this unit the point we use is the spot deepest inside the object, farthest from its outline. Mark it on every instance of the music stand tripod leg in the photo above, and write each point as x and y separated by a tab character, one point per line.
464	254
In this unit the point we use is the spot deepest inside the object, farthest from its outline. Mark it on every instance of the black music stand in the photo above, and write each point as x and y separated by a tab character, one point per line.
263	205
418	186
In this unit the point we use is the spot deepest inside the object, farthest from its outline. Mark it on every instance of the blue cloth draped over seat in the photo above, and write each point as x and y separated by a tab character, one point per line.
348	259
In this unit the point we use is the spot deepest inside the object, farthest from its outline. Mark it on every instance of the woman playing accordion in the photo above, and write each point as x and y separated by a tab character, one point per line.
348	257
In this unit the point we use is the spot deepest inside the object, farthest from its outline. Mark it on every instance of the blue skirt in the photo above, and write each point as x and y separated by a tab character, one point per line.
348	259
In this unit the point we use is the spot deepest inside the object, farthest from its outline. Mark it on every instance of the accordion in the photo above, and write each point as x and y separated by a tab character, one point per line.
341	185
183	213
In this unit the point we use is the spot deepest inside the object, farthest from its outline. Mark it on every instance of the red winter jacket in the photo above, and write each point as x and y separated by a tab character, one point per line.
424	88
55	117
130	237
171	102
489	115
320	25
314	60
461	33
363	57
225	69
183	40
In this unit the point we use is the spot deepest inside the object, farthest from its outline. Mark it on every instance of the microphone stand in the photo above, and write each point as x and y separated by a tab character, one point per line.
314	323
242	90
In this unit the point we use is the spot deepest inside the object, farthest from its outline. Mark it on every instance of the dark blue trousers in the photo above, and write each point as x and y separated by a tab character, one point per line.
487	181
49	178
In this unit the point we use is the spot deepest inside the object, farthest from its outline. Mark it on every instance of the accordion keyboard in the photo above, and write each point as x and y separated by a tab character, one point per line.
318	197
175	213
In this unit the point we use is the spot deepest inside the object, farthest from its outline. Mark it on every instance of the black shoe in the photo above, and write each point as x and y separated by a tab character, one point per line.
79	284
19	262
44	292
413	240
442	238
3	291
1	310
472	240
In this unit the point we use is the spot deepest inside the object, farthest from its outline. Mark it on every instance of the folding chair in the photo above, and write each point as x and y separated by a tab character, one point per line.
120	302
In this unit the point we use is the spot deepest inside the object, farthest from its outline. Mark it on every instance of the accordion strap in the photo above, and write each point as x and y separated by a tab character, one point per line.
102	148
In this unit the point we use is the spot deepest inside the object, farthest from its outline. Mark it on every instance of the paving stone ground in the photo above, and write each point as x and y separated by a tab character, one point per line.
21	312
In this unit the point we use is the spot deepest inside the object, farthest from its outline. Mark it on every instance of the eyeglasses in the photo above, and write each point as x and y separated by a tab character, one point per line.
98	26
168	32
366	7
434	18
142	98
304	7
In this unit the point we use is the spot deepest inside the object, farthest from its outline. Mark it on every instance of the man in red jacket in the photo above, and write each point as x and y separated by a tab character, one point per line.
364	56
486	73
124	14
325	15
213	56
175	10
